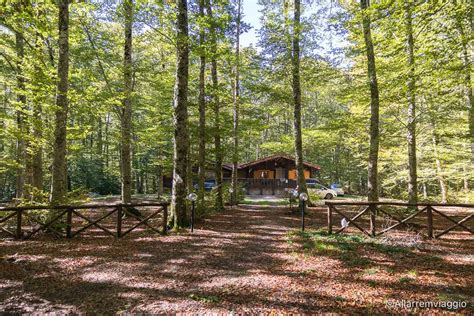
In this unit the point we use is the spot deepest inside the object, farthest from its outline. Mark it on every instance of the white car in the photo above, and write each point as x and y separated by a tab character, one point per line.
338	188
322	191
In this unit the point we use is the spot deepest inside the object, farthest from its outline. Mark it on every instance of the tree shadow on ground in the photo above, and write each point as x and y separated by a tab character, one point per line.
237	260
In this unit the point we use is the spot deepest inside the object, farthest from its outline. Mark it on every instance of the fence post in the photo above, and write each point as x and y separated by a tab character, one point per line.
18	224
69	223
372	219
329	219
429	217
119	221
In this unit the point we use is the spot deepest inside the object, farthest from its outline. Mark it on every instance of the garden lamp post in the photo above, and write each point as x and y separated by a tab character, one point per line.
303	198
192	197
231	192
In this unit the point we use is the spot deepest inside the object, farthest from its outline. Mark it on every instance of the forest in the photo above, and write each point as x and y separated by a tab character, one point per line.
231	157
106	97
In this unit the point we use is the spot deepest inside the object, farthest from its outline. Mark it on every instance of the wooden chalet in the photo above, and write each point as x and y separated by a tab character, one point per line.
270	175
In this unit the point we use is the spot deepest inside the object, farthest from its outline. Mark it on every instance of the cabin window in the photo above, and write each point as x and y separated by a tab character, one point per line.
292	174
264	174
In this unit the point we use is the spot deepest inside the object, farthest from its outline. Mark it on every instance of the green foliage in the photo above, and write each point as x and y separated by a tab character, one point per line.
204	298
334	90
90	174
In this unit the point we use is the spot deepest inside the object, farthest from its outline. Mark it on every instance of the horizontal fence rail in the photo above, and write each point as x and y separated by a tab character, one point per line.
80	217
423	212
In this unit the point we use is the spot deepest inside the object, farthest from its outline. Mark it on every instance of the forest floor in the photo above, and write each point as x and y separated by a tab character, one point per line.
248	259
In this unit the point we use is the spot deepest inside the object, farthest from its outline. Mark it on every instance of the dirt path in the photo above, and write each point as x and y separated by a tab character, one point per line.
240	260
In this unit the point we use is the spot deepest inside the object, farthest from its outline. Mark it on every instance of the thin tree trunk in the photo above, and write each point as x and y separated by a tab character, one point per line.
425	191
126	113
297	99
439	170
235	131
467	69
465	179
37	156
36	123
411	124
107	124
372	183
100	139
202	108
20	115
59	171
219	204
189	167
180	104
159	182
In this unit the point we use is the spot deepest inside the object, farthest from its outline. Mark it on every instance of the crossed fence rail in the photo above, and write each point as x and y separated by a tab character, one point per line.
65	215
422	211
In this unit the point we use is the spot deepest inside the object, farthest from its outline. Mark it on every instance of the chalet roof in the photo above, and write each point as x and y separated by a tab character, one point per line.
274	157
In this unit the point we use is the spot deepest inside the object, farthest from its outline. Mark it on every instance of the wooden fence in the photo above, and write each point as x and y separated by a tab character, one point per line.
424	213
66	215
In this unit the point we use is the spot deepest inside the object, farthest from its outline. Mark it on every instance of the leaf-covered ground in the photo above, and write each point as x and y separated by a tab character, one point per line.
248	260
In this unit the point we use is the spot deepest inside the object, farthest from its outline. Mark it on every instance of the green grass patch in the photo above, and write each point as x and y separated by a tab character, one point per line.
208	299
406	279
389	249
351	249
353	261
451	297
371	271
372	283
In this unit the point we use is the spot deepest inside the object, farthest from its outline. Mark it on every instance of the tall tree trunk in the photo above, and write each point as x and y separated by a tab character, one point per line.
467	70
180	104
20	117
465	179
100	140
372	183
219	204
59	172
439	170
107	125
297	98
235	131
189	167
411	124
36	123
126	113
202	108
37	149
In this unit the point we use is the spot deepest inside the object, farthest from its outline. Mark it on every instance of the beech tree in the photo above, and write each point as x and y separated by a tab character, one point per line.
373	194
219	203
202	106
20	115
126	111
411	124
180	117
59	167
297	98
236	101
